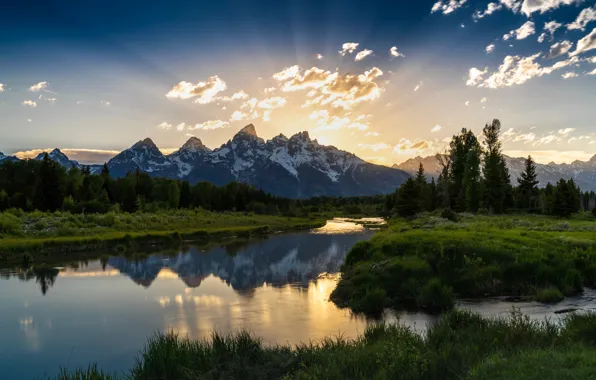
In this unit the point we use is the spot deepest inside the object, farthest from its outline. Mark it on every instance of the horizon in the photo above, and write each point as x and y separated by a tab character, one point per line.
372	80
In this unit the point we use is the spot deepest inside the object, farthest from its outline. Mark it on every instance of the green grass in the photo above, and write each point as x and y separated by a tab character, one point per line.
478	256
45	234
549	295
460	345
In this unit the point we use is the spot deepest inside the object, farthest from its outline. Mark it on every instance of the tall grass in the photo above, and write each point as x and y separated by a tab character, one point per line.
478	256
460	345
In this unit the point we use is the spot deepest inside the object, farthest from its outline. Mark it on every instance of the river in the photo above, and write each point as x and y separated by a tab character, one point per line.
104	310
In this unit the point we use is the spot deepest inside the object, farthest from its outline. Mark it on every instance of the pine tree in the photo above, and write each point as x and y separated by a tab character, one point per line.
496	174
563	200
422	188
472	179
173	195
528	185
50	189
185	197
406	196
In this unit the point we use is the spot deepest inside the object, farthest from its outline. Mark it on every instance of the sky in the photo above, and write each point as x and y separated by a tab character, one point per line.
386	80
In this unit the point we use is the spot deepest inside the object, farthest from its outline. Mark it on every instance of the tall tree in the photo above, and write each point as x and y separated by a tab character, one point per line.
528	185
405	196
51	185
422	188
496	175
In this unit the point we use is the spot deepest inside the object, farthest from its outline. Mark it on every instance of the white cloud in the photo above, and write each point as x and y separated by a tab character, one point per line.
394	53
106	103
29	103
593	72
327	122
547	140
524	31
476	76
483	100
38	87
467	103
490	48
205	92
363	54
374	134
1	87
319	56
408	148
332	88
418	86
490	9
560	48
591	59
549	29
565	131
29	120
287	73
436	128
586	16
236	96
447	6
182	126
238	115
348	47
211	125
515	70
585	44
374	147
569	75
530	6
272	103
164	125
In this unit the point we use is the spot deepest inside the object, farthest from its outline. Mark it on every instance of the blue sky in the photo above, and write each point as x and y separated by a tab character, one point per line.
93	78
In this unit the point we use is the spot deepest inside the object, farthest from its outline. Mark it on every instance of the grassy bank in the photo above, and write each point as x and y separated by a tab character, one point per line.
39	235
427	262
461	345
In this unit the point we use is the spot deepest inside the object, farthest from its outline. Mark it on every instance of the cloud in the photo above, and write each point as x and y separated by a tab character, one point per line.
483	100
327	122
236	96
547	140
475	76
467	103
490	48
549	29
436	128
363	54
84	156
332	88
447	6
348	47
287	73
374	147
29	103
319	56
524	31
211	125
418	86
530	6
513	5
2	87
591	59
586	16
490	9
165	126
569	75
38	87
408	148
586	43
560	48
272	103
254	108
106	103
374	134
593	72
394	53
565	131
514	70
205	92
238	115
182	126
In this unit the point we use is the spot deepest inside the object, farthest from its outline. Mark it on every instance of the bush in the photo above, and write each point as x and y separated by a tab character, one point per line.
449	214
549	295
373	303
436	297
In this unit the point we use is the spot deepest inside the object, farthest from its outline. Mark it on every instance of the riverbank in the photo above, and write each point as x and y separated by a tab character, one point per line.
461	345
428	262
38	236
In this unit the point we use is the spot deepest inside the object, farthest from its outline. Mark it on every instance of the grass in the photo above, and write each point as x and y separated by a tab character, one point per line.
425	262
460	345
41	235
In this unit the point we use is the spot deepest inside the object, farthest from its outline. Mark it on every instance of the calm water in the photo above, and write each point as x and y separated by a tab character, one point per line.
104	311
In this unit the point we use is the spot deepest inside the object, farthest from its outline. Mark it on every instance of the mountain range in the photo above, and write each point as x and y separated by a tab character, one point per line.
295	167
582	172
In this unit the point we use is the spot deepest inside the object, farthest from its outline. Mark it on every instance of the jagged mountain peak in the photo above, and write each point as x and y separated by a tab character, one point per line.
195	144
249	130
301	136
593	159
146	143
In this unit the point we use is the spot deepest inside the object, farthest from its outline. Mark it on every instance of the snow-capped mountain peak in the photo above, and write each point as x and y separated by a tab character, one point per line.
195	144
145	144
59	157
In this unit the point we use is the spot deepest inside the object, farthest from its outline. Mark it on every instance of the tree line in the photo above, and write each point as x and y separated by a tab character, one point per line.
475	178
47	186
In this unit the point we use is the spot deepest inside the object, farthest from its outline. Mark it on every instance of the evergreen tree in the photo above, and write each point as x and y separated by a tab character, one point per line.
496	174
130	202
173	195
185	196
563	204
51	185
406	196
472	178
528	185
422	188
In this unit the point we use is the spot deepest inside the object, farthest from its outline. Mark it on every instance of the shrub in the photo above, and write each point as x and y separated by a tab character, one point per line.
373	303
449	214
436	297
549	295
